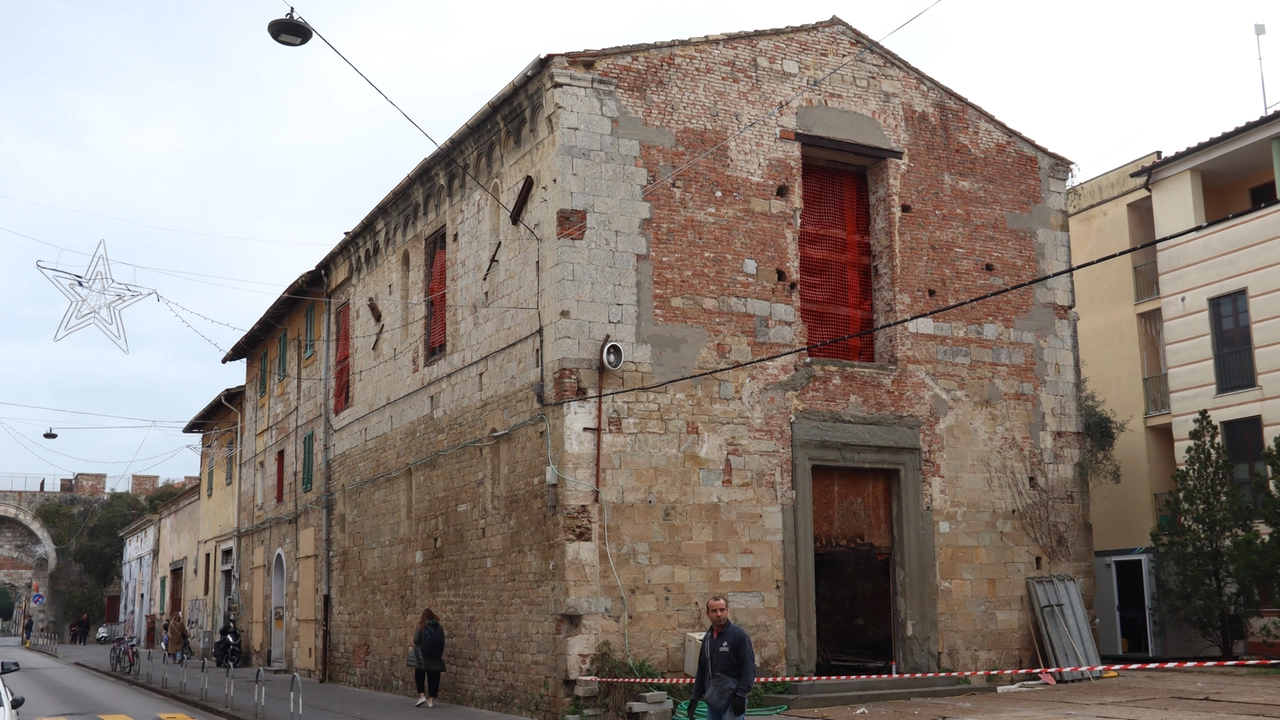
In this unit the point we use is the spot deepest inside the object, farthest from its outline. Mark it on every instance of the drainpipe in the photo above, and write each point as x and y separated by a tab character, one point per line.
600	407
326	506
235	571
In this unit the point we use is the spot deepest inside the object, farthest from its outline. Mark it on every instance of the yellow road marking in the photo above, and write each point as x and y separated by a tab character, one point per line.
173	716
115	717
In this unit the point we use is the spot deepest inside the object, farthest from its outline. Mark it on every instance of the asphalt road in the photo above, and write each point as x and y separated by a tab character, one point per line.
55	689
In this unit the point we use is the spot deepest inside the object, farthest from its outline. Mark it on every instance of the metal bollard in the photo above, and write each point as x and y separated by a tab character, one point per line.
296	680
229	686
149	664
183	686
164	674
204	680
259	693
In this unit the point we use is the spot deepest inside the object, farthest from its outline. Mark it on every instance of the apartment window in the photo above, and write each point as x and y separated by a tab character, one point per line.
282	355
835	262
309	333
231	452
436	293
262	374
308	460
209	471
342	359
1244	442
1232	342
279	476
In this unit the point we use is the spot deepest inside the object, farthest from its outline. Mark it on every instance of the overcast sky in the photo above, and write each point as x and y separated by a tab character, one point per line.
224	164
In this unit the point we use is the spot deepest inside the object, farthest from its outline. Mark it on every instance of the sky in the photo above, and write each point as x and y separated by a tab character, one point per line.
218	165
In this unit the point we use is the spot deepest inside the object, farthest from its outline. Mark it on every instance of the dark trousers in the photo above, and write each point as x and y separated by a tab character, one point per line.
432	688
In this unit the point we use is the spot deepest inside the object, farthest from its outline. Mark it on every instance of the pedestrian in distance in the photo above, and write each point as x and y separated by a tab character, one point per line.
426	657
74	627
27	626
726	666
178	637
83	632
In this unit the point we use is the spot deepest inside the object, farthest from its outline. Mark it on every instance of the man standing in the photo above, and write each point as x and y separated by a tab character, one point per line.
27	626
84	628
726	666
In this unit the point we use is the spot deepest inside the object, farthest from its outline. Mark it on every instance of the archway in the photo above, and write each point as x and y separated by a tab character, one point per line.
277	611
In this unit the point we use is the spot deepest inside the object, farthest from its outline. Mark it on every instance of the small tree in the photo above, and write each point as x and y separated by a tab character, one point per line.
1100	428
1209	554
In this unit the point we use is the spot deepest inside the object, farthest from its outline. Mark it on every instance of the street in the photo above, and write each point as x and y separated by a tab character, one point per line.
56	689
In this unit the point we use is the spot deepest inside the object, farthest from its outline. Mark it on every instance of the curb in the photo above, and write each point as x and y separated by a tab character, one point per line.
195	702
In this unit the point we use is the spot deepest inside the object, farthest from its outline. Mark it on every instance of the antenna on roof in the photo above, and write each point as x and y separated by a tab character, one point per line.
1258	31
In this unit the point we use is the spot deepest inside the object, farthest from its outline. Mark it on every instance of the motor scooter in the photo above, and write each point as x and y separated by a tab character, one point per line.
102	637
227	650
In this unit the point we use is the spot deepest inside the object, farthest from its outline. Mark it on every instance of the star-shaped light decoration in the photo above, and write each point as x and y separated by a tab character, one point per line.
96	298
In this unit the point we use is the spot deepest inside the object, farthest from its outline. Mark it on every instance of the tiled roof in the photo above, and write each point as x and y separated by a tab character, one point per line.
1238	130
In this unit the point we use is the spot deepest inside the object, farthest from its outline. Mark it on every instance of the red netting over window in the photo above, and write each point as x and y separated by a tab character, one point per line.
436	301
835	262
342	360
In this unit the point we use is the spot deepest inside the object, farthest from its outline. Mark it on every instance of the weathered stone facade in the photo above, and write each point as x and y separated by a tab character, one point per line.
653	214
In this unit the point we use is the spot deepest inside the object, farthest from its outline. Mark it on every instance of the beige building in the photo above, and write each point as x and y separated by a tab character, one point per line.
215	551
1190	323
175	568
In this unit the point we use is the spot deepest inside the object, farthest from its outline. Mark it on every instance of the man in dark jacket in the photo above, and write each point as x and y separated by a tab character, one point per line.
726	651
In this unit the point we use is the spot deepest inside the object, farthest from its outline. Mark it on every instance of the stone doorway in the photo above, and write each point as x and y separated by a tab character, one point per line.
853	569
276	658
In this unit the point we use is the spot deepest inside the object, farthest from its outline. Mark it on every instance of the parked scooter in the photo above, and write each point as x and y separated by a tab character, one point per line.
227	650
103	638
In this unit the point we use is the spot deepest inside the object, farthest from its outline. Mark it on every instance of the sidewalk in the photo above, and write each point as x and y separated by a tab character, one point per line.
321	701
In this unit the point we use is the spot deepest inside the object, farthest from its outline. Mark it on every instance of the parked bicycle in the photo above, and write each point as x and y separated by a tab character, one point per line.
124	654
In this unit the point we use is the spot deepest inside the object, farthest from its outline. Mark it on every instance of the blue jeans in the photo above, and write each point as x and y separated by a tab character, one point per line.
713	714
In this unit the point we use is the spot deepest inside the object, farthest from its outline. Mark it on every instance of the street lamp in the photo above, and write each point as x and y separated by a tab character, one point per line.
289	30
51	435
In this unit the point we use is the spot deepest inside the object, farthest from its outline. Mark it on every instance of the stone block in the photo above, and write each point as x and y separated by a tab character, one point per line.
643	707
652	697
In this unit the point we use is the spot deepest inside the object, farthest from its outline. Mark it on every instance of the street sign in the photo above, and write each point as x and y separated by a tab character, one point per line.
37	599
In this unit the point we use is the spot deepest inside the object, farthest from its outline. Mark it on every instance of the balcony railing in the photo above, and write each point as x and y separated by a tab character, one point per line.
1156	390
1146	281
1234	369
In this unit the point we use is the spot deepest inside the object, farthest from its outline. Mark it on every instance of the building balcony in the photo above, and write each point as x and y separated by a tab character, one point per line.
1146	281
1234	369
1156	391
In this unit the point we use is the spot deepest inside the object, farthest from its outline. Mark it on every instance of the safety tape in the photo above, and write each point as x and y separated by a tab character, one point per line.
966	673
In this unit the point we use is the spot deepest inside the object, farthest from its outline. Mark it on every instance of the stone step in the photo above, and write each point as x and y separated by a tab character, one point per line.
837	699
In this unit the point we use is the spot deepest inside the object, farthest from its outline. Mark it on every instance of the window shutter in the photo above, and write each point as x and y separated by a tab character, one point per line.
262	374
835	263
436	299
342	360
309	347
279	476
282	356
209	488
308	461
231	454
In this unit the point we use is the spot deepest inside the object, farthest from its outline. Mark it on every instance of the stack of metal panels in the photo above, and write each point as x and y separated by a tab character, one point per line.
1064	625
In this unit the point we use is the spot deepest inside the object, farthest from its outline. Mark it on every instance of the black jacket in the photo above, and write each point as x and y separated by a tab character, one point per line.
729	654
431	640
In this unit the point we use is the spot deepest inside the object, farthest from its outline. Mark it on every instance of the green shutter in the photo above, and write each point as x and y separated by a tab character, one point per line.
309	347
282	356
262	374
308	460
231	453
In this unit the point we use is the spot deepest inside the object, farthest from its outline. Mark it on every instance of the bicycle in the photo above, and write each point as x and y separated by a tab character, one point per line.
124	655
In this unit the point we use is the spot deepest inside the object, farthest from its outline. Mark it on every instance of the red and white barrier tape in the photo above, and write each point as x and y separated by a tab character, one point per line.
967	673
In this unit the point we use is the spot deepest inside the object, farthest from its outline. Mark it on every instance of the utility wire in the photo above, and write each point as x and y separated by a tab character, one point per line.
919	316
94	414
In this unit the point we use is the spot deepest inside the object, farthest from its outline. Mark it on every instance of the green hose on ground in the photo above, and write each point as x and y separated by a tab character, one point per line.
700	712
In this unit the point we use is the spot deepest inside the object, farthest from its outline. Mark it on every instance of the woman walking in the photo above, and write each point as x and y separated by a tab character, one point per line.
427	657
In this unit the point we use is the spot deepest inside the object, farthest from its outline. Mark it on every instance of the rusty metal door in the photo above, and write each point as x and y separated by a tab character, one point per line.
853	568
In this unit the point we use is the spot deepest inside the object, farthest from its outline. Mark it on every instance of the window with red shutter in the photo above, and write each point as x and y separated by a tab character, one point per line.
835	262
436	293
279	476
342	360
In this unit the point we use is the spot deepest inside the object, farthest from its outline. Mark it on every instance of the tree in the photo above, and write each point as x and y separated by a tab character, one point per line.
1210	554
7	601
1100	428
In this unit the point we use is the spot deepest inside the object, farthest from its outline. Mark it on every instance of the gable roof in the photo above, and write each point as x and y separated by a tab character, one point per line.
204	420
835	21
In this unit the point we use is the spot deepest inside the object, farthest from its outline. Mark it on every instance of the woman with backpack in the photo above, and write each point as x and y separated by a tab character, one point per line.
426	657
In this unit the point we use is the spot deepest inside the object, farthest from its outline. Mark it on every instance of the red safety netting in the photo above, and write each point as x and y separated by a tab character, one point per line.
436	302
835	262
342	360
